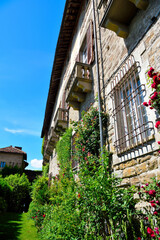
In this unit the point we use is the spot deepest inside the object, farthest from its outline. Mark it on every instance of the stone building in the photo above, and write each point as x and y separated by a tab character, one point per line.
12	156
106	47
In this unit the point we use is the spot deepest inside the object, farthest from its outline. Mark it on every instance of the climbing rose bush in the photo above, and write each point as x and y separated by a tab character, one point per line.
154	100
150	193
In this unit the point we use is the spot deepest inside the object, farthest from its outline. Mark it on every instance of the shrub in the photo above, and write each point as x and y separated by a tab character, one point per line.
40	193
20	196
8	170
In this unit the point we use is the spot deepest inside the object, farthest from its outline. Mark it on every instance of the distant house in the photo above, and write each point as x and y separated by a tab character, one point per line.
13	156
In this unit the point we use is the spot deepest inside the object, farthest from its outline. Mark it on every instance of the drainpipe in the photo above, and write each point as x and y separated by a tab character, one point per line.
98	79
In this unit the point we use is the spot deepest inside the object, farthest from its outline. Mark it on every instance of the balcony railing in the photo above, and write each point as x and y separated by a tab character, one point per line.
79	84
61	121
118	14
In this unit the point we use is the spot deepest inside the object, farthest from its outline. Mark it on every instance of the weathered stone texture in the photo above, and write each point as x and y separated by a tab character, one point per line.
141	168
146	177
134	181
152	164
129	172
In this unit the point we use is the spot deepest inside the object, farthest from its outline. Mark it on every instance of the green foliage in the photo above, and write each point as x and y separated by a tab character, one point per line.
42	149
87	132
45	170
8	170
20	197
93	207
5	194
40	193
14	193
63	149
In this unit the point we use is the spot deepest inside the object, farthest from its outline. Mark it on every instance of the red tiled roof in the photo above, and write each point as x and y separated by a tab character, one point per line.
11	149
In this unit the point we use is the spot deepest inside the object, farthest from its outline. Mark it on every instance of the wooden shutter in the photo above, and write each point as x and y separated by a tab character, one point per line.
90	38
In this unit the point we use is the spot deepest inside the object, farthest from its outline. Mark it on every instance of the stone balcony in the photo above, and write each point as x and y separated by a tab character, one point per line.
61	120
50	144
118	14
79	84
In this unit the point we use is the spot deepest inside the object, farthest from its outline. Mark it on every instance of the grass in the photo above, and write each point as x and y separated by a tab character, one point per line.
17	226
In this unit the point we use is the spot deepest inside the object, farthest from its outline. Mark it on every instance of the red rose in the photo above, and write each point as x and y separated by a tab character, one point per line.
153	85
159	142
158	203
149	102
153	205
155	78
83	149
149	230
151	69
154	96
158	184
155	213
152	193
146	184
157	124
145	104
152	235
150	74
79	195
44	215
151	107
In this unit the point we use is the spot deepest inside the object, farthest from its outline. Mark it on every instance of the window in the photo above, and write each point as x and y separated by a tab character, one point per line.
86	53
131	124
2	165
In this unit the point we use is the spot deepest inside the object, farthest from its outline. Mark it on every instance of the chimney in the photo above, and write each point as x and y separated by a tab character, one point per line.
20	148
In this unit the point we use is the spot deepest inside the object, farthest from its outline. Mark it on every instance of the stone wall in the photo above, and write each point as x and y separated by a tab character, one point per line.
143	43
139	170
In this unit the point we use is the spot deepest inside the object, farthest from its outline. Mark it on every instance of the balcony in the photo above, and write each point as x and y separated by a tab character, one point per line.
79	84
118	14
50	144
61	121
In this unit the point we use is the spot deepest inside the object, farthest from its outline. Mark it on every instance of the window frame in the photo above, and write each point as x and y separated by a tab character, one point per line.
142	127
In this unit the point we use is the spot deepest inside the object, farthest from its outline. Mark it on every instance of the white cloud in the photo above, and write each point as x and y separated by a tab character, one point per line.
23	131
35	163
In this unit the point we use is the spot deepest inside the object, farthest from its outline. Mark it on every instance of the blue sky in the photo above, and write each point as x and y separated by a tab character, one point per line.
29	31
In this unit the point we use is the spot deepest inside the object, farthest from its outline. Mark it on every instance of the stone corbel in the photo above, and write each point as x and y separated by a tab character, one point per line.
80	97
74	105
120	29
141	4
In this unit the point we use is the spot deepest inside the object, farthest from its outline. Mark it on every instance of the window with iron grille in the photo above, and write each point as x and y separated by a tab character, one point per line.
131	124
